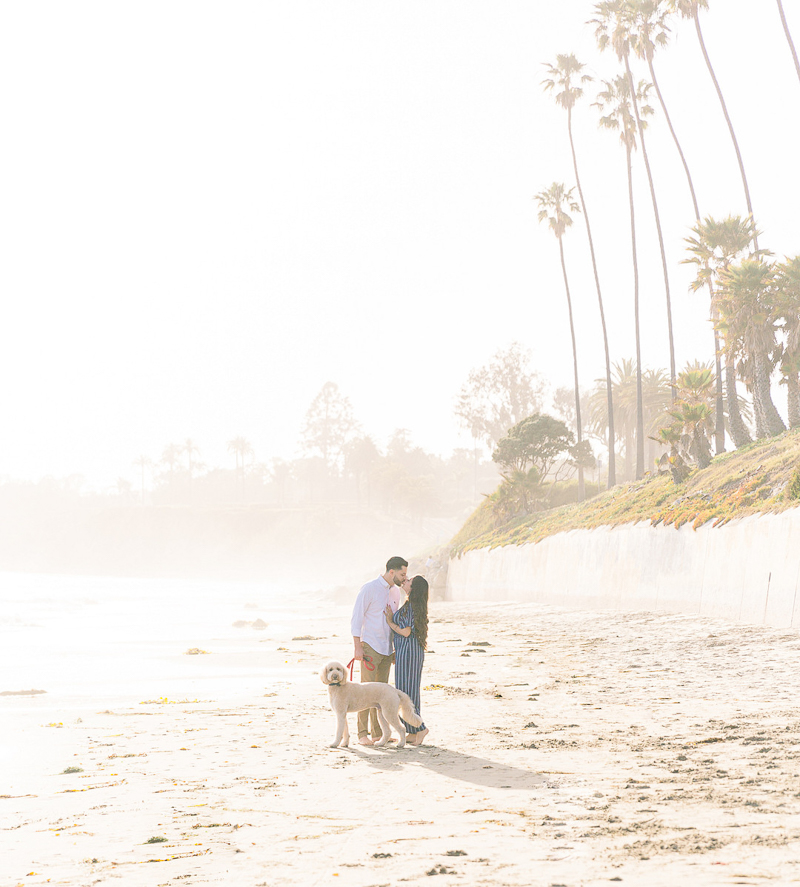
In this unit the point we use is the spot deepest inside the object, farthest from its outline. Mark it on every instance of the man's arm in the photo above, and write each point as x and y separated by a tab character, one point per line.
357	623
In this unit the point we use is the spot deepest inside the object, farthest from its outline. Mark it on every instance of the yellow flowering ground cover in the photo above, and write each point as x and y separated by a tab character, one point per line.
760	478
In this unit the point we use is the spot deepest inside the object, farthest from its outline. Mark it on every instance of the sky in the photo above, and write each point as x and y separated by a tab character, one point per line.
208	210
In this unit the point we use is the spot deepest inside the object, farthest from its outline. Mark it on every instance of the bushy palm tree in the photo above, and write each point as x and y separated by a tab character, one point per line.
696	383
655	399
554	204
687	426
695	420
566	80
690	9
673	461
624	381
716	244
240	447
696	393
190	450
614	28
614	102
170	457
747	318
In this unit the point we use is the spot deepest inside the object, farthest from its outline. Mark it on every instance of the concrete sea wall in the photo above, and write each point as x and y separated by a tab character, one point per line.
747	570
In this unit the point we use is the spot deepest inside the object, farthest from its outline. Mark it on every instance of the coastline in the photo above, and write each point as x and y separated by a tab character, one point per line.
651	748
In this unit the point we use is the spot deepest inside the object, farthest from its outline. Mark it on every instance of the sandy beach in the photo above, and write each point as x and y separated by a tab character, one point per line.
565	749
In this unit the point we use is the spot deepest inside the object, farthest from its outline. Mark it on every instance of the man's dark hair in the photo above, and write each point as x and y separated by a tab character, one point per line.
395	563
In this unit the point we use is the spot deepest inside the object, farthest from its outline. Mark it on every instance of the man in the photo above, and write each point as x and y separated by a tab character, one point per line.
372	636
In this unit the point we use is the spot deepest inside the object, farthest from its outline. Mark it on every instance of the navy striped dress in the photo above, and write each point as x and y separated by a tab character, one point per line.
409	658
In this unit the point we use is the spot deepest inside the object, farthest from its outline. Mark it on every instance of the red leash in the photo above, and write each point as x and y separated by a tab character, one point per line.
366	660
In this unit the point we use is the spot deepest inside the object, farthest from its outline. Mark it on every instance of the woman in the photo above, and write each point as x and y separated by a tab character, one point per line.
410	627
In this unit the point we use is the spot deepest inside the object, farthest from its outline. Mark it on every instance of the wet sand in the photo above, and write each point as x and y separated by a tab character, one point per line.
565	749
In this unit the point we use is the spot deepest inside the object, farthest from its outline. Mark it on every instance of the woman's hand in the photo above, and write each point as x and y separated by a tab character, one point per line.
389	613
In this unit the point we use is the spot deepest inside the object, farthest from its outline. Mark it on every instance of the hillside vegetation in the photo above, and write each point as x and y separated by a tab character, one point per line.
761	477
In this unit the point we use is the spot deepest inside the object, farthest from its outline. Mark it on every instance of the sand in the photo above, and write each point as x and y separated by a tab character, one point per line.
565	749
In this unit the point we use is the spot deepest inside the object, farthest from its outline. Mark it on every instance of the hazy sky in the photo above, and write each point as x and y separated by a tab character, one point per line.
210	209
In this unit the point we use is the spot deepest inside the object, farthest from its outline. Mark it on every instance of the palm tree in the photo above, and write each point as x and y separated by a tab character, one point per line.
694	420
787	313
696	392
626	400
714	247
657	397
613	28
747	316
690	9
671	436
552	203
789	37
240	447
143	462
649	32
566	80
686	427
615	100
171	457
190	450
696	383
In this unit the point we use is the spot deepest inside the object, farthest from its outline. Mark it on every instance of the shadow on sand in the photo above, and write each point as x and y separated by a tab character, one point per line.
455	764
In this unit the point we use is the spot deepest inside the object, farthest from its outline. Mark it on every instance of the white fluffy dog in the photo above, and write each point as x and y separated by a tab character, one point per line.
347	696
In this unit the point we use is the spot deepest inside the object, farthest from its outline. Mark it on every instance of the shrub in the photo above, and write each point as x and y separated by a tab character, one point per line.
793	488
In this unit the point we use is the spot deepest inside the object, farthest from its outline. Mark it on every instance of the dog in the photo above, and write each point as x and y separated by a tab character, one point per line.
347	696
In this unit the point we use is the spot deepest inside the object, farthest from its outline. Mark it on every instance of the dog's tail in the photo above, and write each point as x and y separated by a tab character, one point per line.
407	710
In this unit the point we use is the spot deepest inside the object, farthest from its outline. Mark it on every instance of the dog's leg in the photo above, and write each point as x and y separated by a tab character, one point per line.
341	727
398	726
385	729
346	741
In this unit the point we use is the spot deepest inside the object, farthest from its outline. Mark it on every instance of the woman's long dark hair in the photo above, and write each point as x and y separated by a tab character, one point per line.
418	601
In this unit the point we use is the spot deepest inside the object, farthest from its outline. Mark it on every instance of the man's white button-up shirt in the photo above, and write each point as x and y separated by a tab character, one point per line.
369	614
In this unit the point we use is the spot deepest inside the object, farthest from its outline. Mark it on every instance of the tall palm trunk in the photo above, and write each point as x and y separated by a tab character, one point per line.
739	433
793	399
773	424
639	399
719	411
719	431
789	38
612	464
700	448
630	457
639	126
581	489
727	120
674	135
758	412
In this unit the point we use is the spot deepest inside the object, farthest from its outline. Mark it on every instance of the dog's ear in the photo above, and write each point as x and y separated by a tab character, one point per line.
323	675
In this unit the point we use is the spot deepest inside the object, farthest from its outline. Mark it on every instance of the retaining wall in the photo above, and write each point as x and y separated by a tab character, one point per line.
747	570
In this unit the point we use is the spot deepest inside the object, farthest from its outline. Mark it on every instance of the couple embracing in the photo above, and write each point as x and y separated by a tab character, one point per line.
390	623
